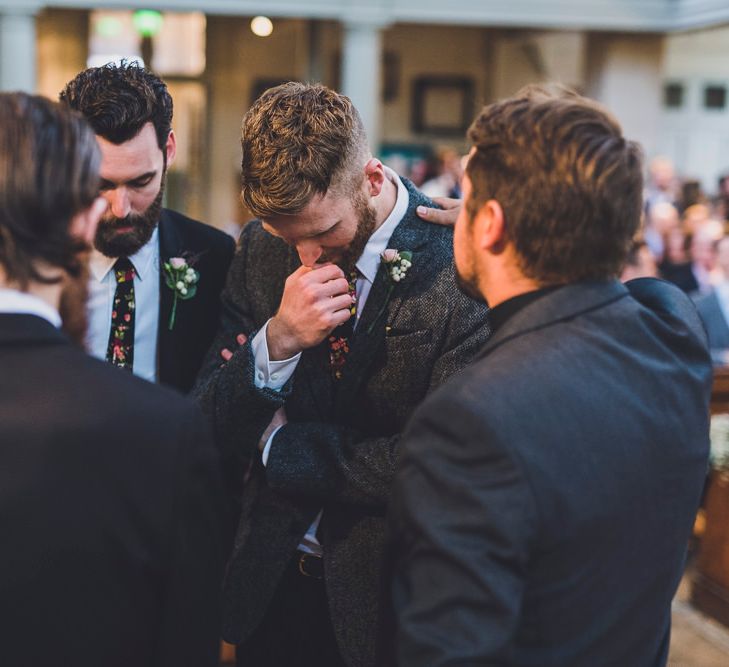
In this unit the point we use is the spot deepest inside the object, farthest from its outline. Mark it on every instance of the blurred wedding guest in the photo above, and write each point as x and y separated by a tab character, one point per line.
110	510
156	275
703	261
662	186
660	221
714	309
448	181
639	263
545	496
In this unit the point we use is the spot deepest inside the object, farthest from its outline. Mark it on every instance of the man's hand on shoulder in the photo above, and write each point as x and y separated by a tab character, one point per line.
314	302
446	216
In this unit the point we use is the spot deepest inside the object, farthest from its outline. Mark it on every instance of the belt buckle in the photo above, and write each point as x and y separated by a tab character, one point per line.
308	558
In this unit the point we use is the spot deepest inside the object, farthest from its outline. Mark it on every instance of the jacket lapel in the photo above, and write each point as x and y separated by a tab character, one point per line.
168	342
383	302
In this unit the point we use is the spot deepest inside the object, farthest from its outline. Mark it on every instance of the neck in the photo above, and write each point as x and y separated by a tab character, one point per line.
385	201
50	294
514	284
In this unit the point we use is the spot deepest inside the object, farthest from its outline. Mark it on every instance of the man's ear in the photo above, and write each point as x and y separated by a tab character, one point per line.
171	147
84	223
375	174
489	228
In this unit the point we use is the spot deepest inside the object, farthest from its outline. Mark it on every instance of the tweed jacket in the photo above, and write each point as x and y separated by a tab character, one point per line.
338	450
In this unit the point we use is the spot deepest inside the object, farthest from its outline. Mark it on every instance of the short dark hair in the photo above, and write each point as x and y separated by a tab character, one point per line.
569	183
49	172
119	100
299	140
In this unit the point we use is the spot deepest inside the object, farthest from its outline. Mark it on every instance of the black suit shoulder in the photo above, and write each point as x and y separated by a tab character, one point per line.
200	234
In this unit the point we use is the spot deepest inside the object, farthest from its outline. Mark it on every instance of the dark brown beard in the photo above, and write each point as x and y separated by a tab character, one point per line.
366	223
112	244
72	307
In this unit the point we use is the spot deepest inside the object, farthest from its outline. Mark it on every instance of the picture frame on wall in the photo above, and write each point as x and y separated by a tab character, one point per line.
442	105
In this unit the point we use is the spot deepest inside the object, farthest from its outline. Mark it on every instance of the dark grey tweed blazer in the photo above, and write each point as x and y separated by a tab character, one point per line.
338	450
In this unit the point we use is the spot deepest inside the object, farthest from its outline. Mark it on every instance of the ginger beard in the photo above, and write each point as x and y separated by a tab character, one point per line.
113	243
366	223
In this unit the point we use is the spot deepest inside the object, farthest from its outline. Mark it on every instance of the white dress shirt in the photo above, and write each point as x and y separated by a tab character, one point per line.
275	374
15	302
102	286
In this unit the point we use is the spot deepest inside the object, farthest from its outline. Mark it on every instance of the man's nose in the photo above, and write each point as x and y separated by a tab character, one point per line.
309	252
118	199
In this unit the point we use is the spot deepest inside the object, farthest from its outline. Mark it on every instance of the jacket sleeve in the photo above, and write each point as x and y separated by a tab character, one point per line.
238	411
461	522
199	540
336	463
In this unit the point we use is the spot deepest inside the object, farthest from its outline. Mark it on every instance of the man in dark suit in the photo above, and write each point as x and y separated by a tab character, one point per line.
167	331
353	316
110	488
545	496
714	309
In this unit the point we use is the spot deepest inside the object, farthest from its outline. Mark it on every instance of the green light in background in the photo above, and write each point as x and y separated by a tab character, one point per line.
147	22
108	26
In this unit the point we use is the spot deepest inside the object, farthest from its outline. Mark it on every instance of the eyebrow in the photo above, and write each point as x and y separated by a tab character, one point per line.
147	176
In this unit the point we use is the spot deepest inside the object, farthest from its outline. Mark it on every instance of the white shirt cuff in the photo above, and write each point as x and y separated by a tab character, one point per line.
270	374
267	448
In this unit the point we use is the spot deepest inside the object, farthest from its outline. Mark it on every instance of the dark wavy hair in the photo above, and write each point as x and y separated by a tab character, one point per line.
49	172
569	183
119	100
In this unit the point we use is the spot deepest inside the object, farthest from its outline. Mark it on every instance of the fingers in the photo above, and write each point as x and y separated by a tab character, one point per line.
340	302
335	287
321	273
446	217
448	203
227	355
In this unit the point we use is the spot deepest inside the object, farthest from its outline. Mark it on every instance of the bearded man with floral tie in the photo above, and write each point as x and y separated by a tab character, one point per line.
156	275
341	345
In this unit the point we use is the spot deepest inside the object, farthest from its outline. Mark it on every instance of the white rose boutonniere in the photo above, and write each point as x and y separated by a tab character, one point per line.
396	263
182	279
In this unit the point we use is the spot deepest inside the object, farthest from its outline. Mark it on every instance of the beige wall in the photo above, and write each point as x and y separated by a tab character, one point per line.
62	48
424	50
624	73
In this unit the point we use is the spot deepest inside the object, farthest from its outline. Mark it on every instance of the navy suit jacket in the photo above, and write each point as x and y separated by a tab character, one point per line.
546	494
180	351
113	518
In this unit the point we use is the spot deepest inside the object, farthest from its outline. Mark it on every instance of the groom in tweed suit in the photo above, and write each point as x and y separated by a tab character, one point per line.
337	349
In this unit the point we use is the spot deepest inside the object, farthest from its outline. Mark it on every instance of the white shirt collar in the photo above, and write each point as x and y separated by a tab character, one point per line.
143	260
22	303
369	261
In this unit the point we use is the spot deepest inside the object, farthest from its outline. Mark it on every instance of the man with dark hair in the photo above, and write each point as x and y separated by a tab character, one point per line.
353	316
156	275
544	499
111	512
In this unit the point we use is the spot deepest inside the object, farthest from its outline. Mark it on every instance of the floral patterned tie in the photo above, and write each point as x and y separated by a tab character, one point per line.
339	338
120	351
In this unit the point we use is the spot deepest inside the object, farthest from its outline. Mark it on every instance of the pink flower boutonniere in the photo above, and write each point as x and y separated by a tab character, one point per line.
182	279
396	263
